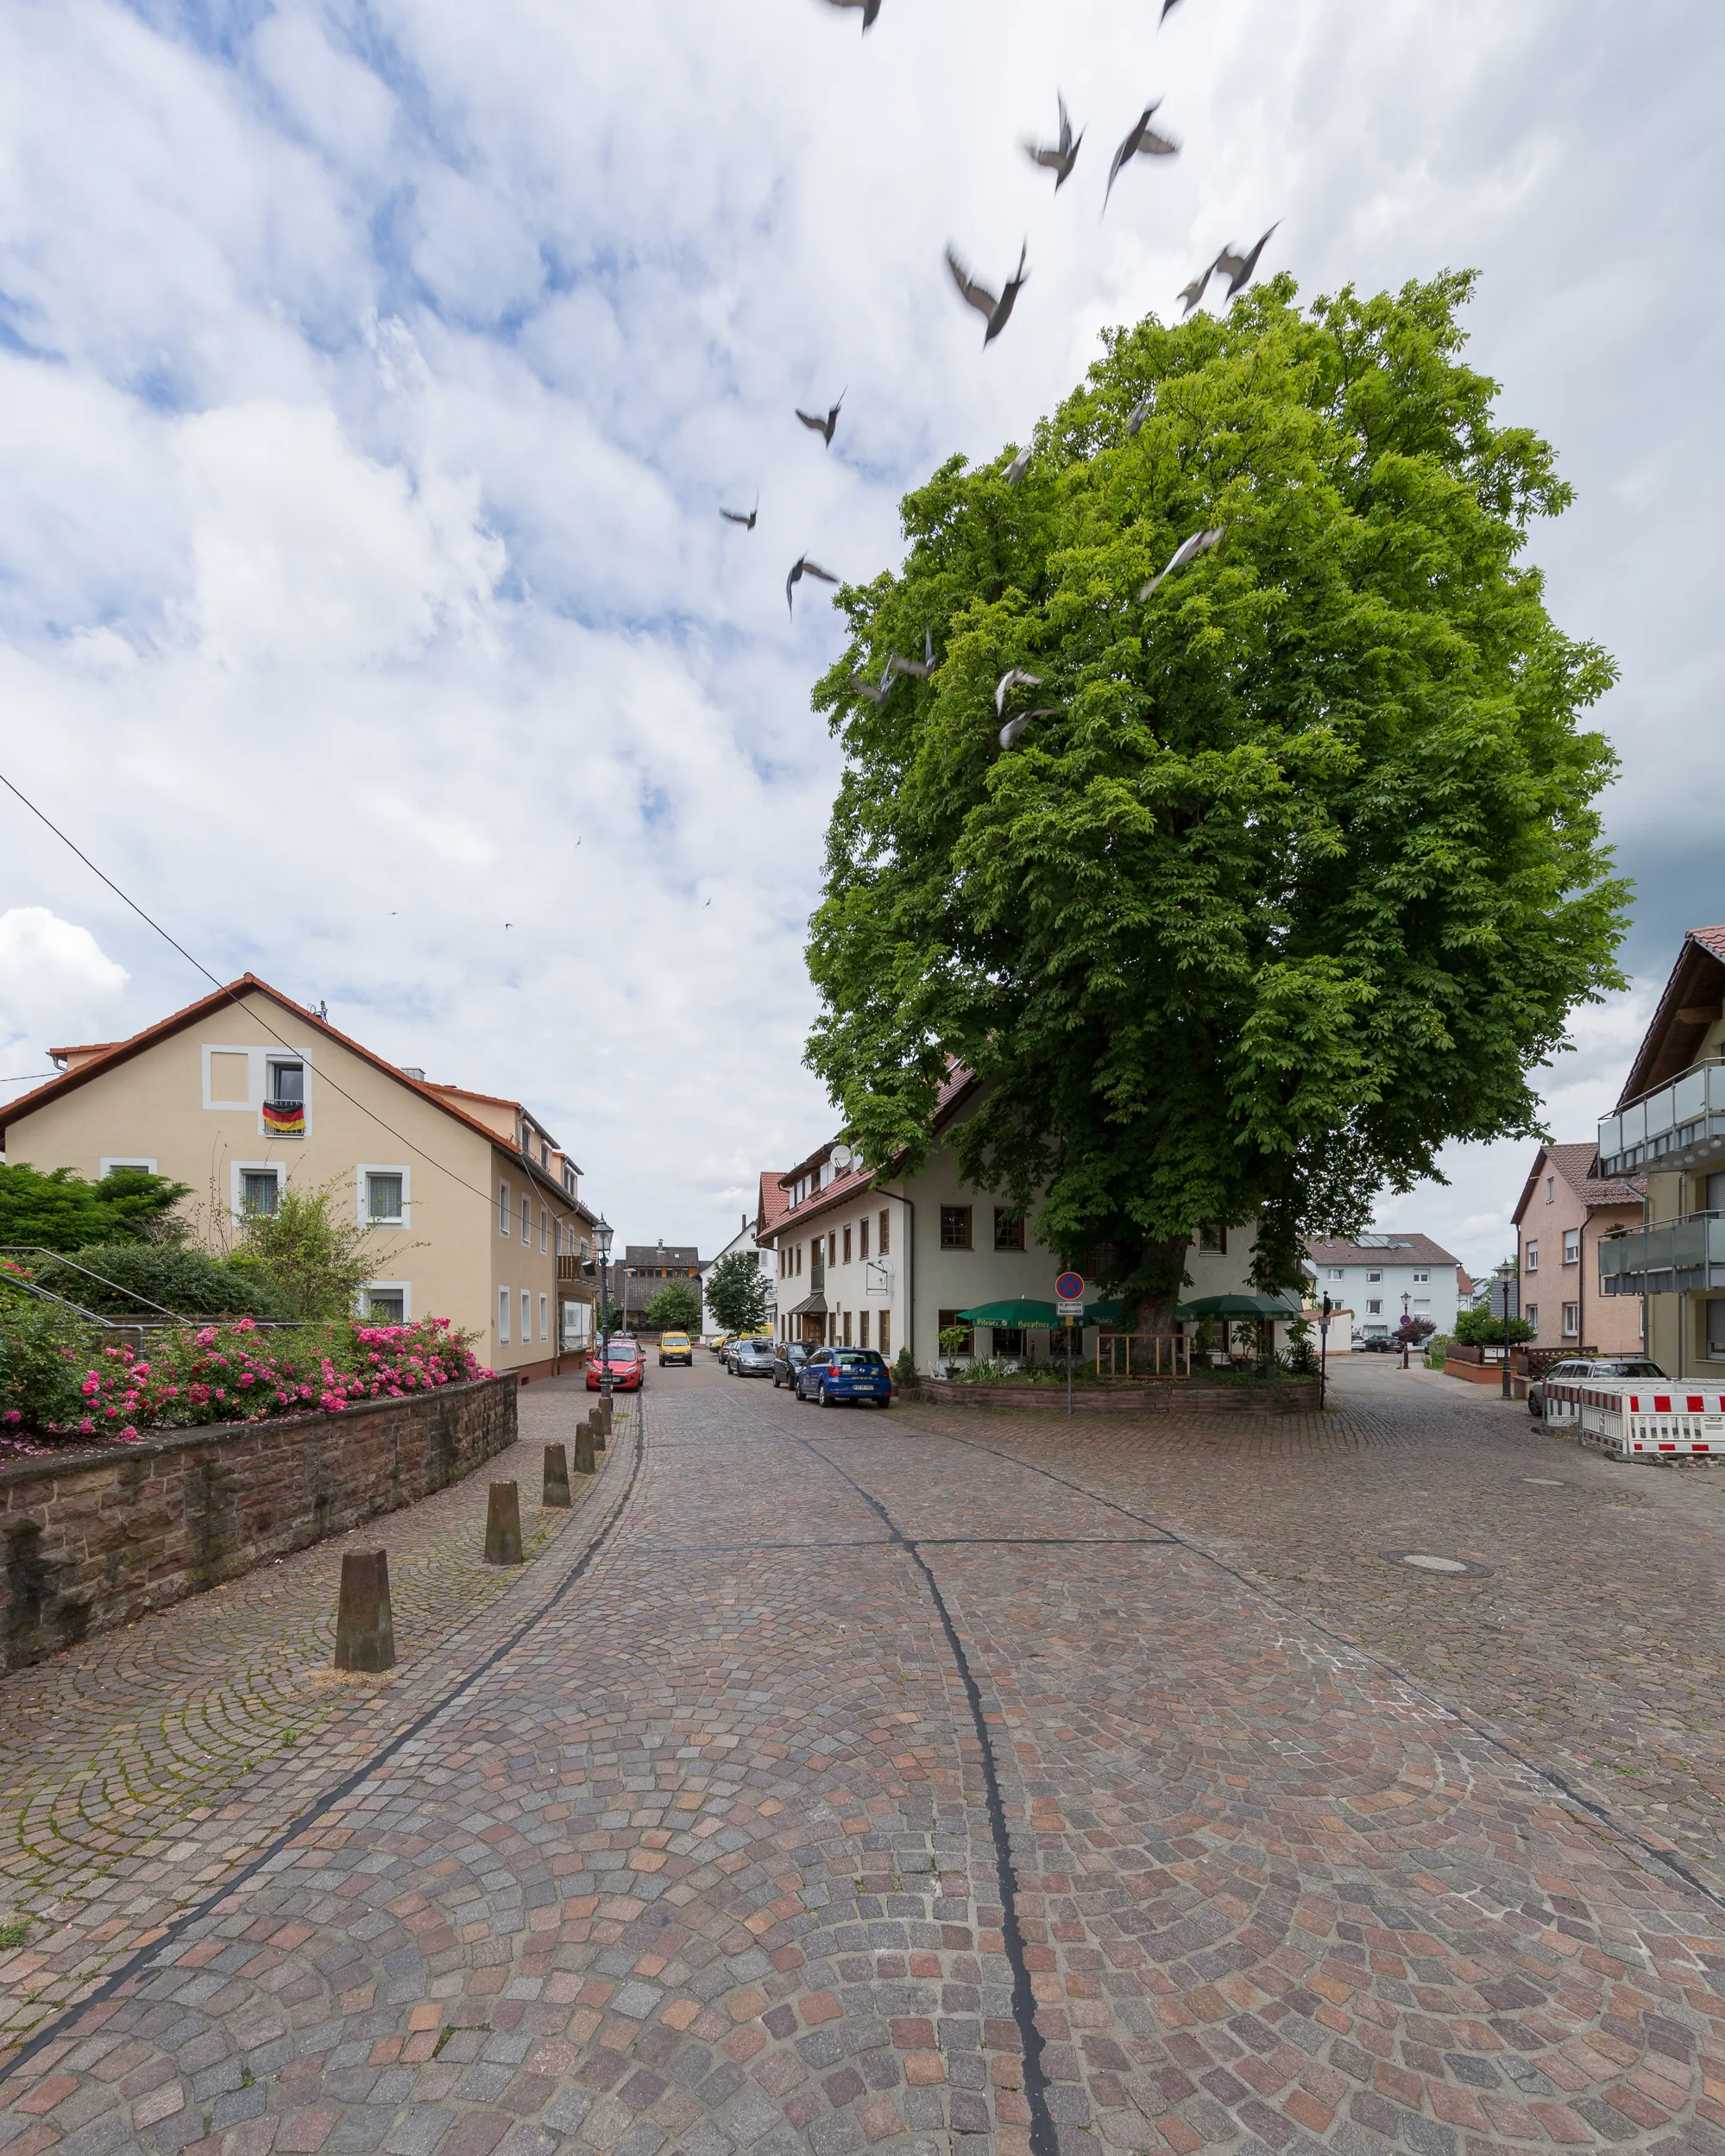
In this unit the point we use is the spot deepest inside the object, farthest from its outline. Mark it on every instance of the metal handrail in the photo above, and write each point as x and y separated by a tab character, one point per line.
1707	1063
41	1250
48	1295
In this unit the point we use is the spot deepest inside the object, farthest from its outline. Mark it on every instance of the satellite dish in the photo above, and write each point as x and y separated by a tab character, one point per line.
842	1157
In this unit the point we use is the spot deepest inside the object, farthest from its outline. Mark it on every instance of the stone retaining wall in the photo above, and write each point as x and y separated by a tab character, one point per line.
1298	1397
96	1539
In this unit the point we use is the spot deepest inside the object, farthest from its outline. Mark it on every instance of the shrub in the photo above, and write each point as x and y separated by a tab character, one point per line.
675	1309
189	1283
1479	1329
312	1254
62	1211
42	1351
904	1370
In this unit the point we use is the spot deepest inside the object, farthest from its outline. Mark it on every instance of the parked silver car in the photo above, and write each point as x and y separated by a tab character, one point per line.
1579	1367
749	1358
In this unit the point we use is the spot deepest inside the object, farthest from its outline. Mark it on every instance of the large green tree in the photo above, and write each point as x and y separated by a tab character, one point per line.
1301	874
675	1309
58	1209
736	1291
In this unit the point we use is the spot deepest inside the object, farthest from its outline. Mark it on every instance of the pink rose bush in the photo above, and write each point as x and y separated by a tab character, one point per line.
238	1372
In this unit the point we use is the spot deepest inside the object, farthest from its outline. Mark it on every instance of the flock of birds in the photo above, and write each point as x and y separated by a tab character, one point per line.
1237	267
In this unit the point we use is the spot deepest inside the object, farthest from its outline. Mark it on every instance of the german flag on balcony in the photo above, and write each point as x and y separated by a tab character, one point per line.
284	1119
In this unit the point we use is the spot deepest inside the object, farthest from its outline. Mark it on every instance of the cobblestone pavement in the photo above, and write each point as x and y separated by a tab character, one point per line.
141	1767
874	1789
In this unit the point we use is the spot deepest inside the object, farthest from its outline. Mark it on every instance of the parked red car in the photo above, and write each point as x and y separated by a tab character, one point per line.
627	1368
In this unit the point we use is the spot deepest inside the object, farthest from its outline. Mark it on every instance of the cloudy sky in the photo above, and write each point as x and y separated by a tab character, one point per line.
371	376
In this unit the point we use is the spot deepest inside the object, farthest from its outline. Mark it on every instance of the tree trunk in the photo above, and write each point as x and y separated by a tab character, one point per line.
1152	1310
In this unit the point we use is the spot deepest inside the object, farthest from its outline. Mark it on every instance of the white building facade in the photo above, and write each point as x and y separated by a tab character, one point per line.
1385	1278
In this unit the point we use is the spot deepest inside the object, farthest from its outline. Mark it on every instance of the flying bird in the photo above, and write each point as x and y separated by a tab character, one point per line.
734	516
920	669
1187	550
825	427
998	312
1239	269
1141	412
1169	7
1010	731
1192	293
1014	679
870	10
1063	156
1016	469
801	568
867	689
1142	140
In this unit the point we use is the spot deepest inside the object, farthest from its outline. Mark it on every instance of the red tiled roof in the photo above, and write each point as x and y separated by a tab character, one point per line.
1411	1249
772	1205
1578	1165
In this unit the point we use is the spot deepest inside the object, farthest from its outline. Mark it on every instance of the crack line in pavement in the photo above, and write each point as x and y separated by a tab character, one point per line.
915	1542
176	1929
1593	1806
1044	2139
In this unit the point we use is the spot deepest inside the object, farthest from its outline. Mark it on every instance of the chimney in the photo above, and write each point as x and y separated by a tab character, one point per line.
412	1070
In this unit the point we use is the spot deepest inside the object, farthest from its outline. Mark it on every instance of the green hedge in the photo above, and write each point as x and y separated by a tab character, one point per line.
186	1282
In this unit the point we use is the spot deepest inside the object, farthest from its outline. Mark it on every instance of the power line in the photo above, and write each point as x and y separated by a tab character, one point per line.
126	899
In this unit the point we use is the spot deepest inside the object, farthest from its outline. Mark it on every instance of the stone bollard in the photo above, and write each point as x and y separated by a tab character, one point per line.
503	1525
584	1461
601	1435
556	1476
365	1636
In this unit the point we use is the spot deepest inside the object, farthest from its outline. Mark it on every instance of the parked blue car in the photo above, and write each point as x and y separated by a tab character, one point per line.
832	1374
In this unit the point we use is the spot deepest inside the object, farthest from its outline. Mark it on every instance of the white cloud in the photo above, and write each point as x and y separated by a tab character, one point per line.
56	985
370	380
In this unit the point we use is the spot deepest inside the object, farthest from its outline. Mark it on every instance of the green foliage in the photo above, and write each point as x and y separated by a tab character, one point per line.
1479	1329
44	1350
904	1370
1301	877
1302	1357
954	1339
188	1282
736	1292
312	1254
59	1210
675	1309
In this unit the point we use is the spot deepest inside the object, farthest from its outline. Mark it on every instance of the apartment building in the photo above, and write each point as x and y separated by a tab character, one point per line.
473	1208
1566	1210
1385	1278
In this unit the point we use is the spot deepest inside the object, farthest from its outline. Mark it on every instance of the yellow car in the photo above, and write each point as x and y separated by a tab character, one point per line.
723	1341
675	1348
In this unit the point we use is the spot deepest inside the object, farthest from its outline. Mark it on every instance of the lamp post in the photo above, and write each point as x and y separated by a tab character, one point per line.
602	1232
1506	1274
1405	1300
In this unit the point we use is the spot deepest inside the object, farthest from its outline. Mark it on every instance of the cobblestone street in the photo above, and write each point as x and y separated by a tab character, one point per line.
946	1781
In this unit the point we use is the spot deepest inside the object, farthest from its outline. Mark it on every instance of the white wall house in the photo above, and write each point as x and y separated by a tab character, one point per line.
1373	1276
890	1264
746	1238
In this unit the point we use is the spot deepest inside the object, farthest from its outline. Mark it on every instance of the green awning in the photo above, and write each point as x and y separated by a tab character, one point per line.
1020	1311
1245	1305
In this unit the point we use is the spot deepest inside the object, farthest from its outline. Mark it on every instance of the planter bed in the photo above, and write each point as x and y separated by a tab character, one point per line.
1299	1396
97	1536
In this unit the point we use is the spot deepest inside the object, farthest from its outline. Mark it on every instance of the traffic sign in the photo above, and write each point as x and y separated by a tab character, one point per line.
1070	1287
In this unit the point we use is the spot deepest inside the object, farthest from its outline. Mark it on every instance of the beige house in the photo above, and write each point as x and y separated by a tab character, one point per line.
889	1265
1566	1208
473	1208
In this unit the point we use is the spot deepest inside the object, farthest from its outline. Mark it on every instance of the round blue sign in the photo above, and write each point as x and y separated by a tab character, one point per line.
1070	1287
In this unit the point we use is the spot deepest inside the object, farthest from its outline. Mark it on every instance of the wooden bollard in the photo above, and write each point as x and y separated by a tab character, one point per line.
503	1525
556	1476
584	1461
365	1634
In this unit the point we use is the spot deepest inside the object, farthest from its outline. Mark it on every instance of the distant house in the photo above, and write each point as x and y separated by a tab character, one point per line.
473	1209
769	1205
1566	1208
1386	1278
647	1267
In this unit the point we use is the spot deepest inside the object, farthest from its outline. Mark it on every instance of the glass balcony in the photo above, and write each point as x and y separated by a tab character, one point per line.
1671	1255
1678	1125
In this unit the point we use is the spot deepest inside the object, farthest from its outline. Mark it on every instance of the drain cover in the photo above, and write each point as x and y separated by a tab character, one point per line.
1429	1561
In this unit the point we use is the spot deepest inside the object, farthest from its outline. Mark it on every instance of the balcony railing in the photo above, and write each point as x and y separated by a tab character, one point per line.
1674	1126
1670	1256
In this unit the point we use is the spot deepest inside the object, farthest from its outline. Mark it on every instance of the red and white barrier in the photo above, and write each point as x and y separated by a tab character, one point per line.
1639	1423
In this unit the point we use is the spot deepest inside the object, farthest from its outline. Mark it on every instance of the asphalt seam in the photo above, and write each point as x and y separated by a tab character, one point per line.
144	1956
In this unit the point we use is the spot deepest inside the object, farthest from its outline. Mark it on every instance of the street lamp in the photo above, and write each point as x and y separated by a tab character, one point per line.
602	1232
1506	1272
1405	1300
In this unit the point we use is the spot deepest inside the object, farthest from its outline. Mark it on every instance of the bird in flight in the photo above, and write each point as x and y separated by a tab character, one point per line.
1169	7
1010	731
919	669
801	568
1141	412
870	10
1239	269
997	312
876	696
1014	679
735	516
1063	156
1192	293
823	427
1142	140
1016	469
1187	550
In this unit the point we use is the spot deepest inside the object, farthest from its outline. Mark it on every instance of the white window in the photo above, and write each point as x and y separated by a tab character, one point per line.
1533	1257
544	1318
545	1239
1532	1314
385	1194
111	1162
389	1302
254	1186
1420	1278
1374	1276
1422	1302
526	1316
1375	1307
505	1214
1572	1321
503	1314
1571	1246
1335	1273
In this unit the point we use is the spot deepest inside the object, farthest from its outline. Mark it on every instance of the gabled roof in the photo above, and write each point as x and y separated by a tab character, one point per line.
772	1205
1578	1165
1398	1247
1691	1003
955	1088
120	1052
